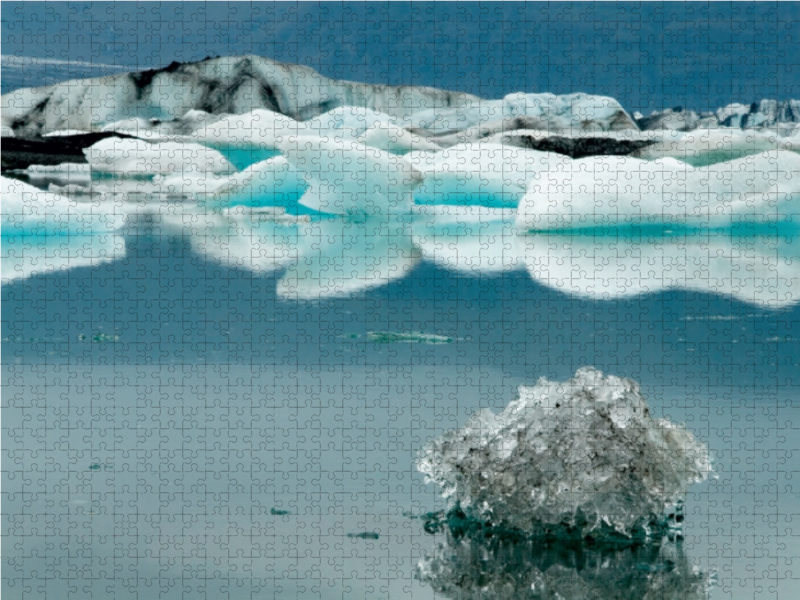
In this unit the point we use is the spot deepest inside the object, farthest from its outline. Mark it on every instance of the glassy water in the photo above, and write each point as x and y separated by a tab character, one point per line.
228	403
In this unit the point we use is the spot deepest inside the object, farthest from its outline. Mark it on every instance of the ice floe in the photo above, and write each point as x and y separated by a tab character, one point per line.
136	158
613	190
44	232
580	458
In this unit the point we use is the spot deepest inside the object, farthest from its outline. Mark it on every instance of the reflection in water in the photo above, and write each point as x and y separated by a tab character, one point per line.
338	257
494	568
761	269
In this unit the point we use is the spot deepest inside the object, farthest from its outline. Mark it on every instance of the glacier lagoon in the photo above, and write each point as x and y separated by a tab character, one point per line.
241	345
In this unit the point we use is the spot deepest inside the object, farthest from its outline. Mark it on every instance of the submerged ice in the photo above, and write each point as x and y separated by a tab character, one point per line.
579	458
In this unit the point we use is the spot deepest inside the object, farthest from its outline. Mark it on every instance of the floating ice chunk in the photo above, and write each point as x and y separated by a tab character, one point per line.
584	453
570	112
732	114
479	174
339	257
44	232
248	138
267	183
63	168
6	131
350	178
150	129
395	140
136	158
457	118
27	210
191	183
407	337
260	128
704	147
347	122
614	190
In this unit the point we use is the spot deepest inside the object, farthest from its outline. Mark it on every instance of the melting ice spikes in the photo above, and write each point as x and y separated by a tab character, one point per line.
584	453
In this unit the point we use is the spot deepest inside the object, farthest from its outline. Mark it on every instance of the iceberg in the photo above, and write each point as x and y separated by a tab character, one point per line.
703	147
487	175
396	140
44	232
582	459
225	85
558	115
613	190
137	158
348	178
273	182
27	210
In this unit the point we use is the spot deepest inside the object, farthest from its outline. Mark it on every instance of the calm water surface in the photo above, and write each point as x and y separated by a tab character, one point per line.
203	406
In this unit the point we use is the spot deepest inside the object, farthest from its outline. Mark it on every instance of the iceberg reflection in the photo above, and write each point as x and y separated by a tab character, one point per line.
339	257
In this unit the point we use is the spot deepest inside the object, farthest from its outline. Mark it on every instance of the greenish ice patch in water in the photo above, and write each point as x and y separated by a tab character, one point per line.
101	467
98	338
364	535
388	337
20	339
278	512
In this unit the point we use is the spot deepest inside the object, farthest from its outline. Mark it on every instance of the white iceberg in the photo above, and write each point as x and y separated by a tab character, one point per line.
44	232
395	139
273	182
137	158
486	175
348	178
584	455
616	190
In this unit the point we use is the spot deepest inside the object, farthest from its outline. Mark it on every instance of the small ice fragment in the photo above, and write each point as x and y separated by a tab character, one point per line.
582	458
364	535
390	337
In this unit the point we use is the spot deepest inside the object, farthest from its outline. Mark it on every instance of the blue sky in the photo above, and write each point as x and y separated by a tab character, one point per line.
648	55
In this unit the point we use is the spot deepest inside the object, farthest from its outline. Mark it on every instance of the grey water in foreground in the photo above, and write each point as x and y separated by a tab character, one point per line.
213	404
